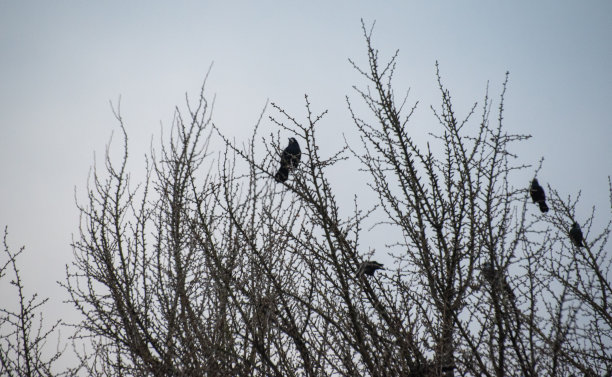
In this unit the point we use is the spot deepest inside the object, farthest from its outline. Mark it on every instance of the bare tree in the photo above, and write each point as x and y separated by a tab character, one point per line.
211	267
24	335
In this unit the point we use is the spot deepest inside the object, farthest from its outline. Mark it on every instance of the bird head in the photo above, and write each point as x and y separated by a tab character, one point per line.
292	140
534	182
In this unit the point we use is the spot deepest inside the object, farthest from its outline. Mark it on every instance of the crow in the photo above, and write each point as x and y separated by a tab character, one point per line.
369	268
488	272
290	158
497	279
575	235
537	195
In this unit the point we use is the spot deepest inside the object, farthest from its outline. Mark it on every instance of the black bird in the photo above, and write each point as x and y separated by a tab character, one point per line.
488	272
369	268
537	195
497	279
290	158
575	235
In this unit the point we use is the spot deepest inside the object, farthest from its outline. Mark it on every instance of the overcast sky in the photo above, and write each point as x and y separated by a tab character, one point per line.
63	61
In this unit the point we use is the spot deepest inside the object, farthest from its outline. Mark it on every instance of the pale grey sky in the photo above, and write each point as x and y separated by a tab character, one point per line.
62	61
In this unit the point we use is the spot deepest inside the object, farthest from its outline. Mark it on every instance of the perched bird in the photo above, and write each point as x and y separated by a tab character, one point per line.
290	158
537	195
497	280
575	235
488	272
369	268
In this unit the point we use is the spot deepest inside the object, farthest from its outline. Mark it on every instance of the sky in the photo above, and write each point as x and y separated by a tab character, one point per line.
62	62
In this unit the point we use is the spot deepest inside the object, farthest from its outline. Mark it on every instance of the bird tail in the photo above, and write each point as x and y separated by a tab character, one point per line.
543	206
282	174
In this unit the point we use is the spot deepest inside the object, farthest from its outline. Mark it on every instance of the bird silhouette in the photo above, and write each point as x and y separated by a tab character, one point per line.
488	272
538	196
497	280
369	268
290	158
575	235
